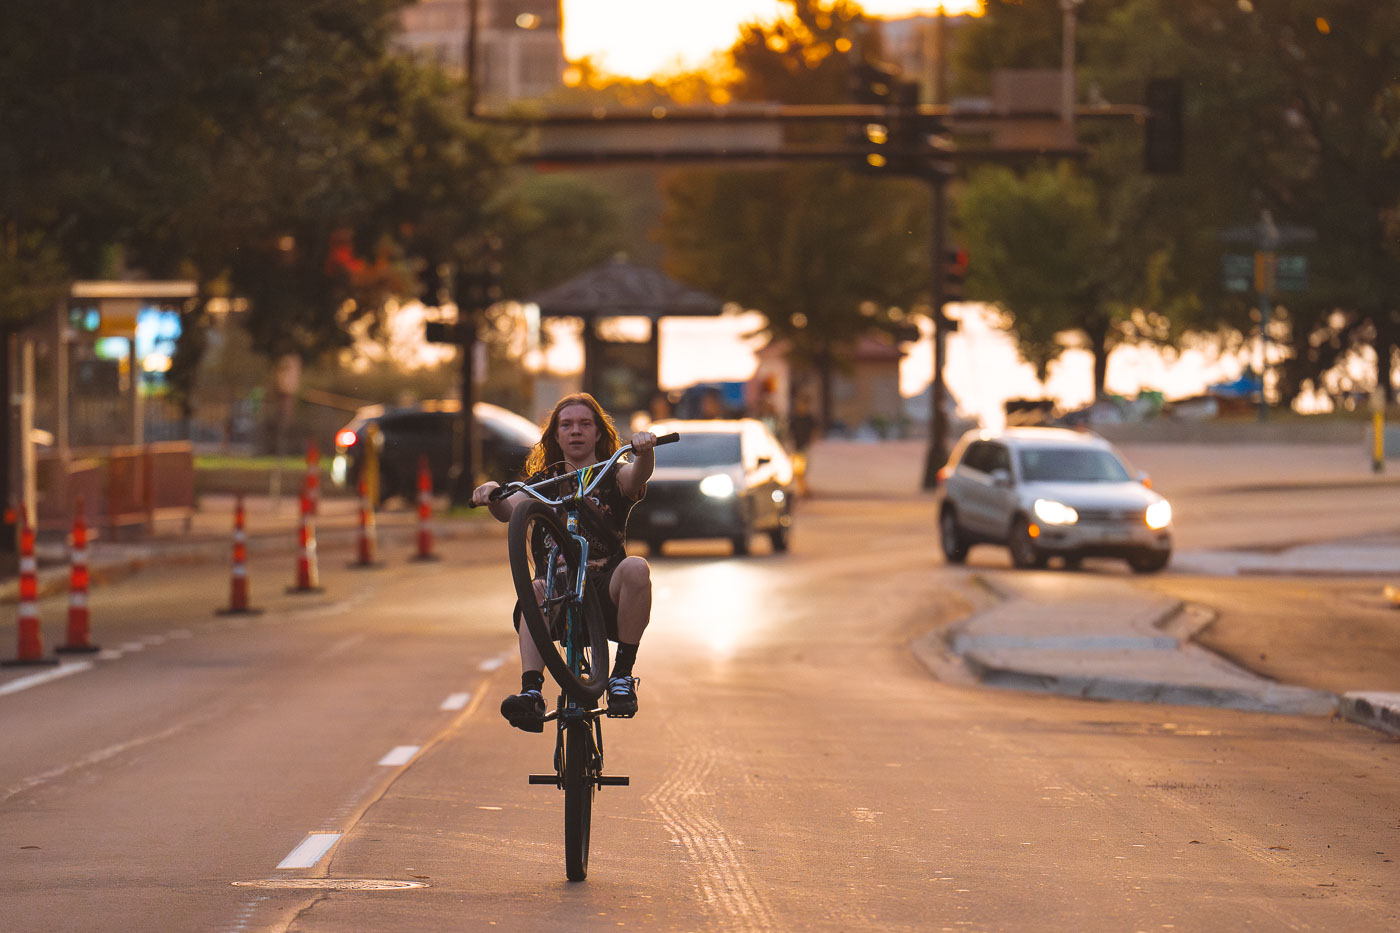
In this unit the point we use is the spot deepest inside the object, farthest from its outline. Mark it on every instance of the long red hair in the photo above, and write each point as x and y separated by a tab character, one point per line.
548	451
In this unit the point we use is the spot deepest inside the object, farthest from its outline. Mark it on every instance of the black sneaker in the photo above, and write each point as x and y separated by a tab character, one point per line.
622	697
525	710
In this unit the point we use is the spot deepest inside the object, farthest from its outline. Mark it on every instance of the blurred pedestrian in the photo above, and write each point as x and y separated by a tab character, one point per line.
802	429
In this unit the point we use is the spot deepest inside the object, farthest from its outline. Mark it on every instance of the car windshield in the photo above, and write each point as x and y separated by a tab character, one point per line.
700	450
1071	465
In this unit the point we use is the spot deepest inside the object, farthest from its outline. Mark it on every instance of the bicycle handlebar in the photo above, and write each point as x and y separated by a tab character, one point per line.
510	489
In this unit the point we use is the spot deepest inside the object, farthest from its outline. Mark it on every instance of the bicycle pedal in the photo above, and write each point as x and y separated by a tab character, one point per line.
612	715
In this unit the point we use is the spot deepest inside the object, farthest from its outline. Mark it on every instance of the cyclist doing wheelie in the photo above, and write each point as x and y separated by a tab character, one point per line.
577	435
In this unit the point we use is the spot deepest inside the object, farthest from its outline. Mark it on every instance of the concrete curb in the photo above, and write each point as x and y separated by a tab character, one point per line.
1104	644
1378	710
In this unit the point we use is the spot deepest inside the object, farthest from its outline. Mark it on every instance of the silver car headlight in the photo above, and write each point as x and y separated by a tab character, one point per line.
1055	513
717	486
1159	515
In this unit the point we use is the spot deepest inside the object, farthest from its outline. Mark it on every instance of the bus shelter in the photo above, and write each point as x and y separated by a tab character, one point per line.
621	305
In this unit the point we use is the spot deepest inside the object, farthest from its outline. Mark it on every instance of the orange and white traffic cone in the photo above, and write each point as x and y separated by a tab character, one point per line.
367	545
425	512
79	627
308	576
238	587
31	639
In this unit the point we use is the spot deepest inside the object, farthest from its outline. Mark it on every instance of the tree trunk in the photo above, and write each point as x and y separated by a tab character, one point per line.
1095	328
9	544
825	370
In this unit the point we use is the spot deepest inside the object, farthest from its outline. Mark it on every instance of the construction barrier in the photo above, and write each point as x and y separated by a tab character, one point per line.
31	639
367	546
238	588
79	624
425	512
308	574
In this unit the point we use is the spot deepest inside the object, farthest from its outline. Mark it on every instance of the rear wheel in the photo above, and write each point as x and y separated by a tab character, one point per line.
572	638
1024	553
579	787
951	536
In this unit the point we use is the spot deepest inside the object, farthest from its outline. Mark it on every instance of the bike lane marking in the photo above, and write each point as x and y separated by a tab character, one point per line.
34	680
311	850
399	755
455	701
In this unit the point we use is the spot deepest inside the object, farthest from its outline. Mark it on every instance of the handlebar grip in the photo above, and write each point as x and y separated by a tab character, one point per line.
500	492
667	439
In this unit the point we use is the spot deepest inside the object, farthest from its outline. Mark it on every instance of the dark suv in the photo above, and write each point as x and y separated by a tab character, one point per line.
407	433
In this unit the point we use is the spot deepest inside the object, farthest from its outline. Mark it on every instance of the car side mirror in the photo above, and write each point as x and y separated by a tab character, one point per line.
1001	479
1144	479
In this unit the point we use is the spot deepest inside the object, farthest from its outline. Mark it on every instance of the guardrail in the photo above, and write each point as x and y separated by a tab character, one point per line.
121	488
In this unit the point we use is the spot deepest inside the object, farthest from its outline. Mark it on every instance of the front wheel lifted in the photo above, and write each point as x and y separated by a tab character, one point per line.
541	549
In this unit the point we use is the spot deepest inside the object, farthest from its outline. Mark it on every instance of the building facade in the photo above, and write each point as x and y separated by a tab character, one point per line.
520	52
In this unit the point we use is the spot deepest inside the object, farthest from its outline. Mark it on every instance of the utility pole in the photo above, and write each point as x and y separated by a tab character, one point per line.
937	454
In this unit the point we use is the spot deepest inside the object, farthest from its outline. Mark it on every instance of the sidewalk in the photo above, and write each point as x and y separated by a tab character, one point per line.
1108	639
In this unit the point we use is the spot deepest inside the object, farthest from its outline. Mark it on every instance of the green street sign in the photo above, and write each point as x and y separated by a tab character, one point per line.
1291	274
1237	273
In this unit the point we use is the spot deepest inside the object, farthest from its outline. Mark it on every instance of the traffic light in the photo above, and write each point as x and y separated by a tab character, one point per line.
872	84
954	274
1163	150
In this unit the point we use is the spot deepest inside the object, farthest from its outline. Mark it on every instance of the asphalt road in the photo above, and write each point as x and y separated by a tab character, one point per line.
793	765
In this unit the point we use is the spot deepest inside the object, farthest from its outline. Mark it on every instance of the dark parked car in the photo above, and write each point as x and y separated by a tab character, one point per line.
430	428
723	479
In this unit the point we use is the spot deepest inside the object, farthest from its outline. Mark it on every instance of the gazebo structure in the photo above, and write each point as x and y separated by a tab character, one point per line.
622	372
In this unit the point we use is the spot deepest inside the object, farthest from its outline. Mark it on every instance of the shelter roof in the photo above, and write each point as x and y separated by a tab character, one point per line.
619	287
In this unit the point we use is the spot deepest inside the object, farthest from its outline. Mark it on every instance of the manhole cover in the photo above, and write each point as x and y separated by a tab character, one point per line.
332	884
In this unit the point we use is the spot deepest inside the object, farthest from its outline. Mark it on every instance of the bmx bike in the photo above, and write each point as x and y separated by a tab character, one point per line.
566	624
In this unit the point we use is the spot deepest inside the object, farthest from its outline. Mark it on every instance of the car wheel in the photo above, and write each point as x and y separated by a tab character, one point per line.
654	546
1074	562
780	535
951	537
741	544
1024	553
1149	562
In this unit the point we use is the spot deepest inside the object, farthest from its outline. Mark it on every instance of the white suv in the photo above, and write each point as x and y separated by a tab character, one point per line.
1050	492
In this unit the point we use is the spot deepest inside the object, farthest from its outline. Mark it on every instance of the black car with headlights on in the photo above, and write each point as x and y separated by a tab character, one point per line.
723	479
429	429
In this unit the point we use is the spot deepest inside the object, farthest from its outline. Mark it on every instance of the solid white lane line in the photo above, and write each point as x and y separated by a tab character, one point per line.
456	701
312	849
53	673
401	755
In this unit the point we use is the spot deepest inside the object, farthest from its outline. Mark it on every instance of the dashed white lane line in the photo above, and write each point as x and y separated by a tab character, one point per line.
53	673
312	849
133	646
401	755
108	654
456	701
491	664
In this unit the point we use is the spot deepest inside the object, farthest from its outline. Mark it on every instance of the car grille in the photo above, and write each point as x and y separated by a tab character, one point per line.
1112	515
